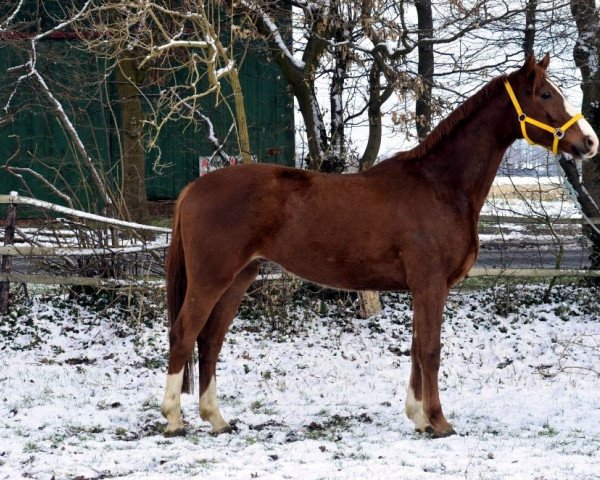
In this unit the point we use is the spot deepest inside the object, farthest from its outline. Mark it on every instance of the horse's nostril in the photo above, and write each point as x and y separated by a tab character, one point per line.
589	141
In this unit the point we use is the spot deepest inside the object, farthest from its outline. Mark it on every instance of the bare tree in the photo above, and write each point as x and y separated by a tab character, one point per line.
176	49
169	63
426	65
586	54
371	51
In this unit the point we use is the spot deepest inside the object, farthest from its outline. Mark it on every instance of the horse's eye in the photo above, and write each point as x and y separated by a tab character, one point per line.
546	95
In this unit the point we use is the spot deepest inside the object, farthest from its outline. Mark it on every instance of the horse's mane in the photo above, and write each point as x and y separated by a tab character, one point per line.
445	128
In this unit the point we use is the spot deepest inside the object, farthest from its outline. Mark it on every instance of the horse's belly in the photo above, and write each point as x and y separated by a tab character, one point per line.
349	275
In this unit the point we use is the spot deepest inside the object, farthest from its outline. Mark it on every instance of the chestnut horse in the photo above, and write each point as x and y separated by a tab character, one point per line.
408	223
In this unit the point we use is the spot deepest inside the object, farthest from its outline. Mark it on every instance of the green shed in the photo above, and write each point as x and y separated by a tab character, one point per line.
37	157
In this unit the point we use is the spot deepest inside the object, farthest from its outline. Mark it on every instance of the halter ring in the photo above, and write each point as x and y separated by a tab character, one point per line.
559	133
522	117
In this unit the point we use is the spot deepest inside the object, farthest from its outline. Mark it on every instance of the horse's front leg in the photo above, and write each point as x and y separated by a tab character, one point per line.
423	405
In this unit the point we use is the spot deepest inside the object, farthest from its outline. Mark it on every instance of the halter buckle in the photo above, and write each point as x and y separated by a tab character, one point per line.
522	117
559	133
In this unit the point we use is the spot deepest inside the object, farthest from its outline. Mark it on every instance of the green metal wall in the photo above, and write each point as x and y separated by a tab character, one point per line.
269	110
34	138
38	141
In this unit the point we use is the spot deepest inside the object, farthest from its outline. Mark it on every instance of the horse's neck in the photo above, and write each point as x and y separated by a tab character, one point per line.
475	153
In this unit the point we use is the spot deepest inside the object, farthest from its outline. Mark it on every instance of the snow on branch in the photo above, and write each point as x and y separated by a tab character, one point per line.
66	23
212	137
11	17
275	34
157	51
18	171
80	147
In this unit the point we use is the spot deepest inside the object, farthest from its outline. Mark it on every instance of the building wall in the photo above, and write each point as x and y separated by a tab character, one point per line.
33	138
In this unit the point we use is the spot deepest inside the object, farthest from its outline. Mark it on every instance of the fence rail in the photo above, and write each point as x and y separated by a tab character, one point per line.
35	251
42	279
538	220
15	199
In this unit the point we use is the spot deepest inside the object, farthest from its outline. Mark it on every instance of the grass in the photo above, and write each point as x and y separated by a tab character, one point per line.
161	221
474	284
31	447
548	431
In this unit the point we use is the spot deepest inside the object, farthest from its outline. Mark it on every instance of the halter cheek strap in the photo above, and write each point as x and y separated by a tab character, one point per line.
558	133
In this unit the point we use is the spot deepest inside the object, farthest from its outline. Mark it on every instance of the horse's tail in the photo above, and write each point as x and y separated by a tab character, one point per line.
176	287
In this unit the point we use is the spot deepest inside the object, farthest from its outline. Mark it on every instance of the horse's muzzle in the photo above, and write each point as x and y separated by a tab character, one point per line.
586	148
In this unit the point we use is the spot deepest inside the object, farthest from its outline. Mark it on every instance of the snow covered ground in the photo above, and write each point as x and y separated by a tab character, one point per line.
81	385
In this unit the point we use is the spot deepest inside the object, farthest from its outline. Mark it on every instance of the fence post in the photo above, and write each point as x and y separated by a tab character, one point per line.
370	303
9	237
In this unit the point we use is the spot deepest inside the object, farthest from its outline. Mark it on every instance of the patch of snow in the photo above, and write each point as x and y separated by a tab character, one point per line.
81	387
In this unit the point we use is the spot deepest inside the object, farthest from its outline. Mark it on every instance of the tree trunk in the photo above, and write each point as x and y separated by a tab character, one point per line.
374	113
300	75
371	303
586	54
425	68
335	160
133	162
529	36
316	134
240	115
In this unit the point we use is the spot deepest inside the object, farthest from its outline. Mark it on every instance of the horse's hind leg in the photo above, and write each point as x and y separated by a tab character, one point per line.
196	308
210	342
423	402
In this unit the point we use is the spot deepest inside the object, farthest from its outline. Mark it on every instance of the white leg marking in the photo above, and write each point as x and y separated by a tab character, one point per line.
414	410
171	407
209	408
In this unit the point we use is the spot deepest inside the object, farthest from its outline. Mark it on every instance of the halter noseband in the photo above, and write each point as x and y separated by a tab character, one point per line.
558	133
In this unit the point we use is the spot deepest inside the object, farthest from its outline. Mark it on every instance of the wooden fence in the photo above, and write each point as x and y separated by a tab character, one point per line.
107	244
112	247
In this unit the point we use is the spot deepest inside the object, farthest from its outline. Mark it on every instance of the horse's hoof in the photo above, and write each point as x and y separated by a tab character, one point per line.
443	434
428	429
178	432
226	429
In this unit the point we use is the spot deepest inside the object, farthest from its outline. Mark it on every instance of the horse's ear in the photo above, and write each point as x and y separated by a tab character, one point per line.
544	62
529	64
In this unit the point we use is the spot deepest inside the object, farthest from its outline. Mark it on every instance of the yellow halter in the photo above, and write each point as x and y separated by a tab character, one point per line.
558	133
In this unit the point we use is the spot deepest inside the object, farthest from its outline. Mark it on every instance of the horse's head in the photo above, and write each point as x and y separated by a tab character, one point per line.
546	117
